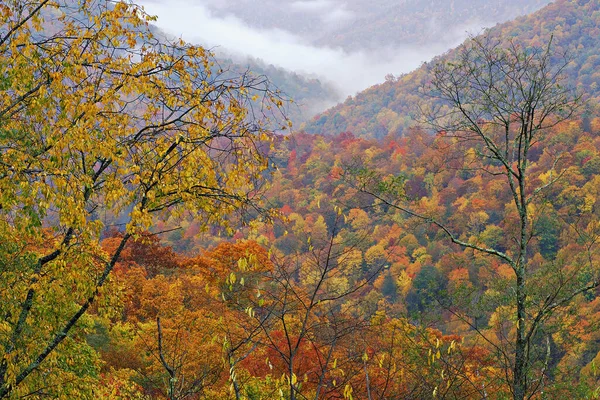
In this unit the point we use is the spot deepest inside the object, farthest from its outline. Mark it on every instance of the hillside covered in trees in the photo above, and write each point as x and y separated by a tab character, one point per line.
158	239
391	106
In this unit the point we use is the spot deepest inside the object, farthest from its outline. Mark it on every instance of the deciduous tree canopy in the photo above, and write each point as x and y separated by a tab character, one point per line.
102	123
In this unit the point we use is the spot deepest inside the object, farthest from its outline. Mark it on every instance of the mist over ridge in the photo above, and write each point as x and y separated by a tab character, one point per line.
347	43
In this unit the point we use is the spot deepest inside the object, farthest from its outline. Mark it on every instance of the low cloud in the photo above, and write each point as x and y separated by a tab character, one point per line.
349	71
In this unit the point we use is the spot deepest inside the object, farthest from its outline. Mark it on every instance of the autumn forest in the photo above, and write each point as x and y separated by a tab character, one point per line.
172	227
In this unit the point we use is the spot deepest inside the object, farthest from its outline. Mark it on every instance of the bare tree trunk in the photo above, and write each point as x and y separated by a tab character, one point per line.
291	381
368	382
520	368
236	389
170	370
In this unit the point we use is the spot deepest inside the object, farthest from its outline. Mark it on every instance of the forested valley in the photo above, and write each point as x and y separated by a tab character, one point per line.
167	231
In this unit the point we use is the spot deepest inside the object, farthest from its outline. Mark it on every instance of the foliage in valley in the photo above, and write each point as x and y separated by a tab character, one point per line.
391	278
369	269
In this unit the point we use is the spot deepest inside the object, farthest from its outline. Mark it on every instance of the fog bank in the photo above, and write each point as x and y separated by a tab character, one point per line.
350	72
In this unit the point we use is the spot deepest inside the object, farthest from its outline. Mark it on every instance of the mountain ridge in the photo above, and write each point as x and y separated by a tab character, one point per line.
386	108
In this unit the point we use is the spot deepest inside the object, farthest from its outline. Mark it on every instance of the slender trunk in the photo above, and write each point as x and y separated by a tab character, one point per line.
291	373
520	368
521	351
236	389
324	369
170	370
368	382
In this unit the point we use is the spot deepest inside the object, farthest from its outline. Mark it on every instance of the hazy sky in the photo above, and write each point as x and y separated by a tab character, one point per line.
349	71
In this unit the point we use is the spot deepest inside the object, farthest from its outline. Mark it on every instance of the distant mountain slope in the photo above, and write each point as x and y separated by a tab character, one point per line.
422	22
347	44
386	108
309	94
359	25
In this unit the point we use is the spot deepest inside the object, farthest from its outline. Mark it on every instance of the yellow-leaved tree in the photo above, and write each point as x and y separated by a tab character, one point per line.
100	121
